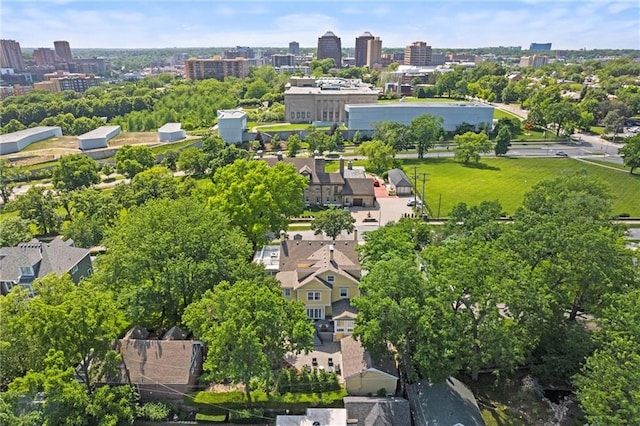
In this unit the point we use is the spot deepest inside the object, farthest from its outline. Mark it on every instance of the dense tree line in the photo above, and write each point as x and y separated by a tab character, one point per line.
476	294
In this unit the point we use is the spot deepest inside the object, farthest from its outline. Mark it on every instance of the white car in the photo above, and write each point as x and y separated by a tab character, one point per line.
414	202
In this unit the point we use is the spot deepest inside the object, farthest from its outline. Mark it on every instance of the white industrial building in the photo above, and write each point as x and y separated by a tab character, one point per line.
17	141
232	123
363	116
98	138
171	132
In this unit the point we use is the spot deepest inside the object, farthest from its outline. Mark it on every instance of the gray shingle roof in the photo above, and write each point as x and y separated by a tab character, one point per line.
450	403
359	187
378	411
398	178
57	256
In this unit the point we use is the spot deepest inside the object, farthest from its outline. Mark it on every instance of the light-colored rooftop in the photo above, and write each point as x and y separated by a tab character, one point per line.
230	113
20	134
170	127
294	90
420	105
100	132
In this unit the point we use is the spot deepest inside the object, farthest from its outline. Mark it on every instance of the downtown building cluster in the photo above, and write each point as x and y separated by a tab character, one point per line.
53	70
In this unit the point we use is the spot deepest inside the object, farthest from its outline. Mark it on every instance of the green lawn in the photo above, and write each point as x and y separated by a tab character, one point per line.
500	113
508	179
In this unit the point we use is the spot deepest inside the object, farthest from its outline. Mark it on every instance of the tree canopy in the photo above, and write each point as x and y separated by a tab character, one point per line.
248	327
631	152
75	171
257	198
332	222
165	254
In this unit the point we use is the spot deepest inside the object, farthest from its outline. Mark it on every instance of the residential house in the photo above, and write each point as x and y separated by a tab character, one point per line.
348	187
23	264
323	275
315	416
164	368
399	182
377	411
364	374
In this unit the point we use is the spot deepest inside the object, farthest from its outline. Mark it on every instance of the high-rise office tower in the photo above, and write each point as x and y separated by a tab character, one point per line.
361	48
44	56
330	46
63	51
294	48
374	52
11	55
418	54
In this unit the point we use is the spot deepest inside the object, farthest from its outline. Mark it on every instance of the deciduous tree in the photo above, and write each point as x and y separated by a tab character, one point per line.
14	230
470	145
631	152
424	131
75	171
332	222
258	198
380	156
133	159
39	205
8	175
248	327
503	141
165	254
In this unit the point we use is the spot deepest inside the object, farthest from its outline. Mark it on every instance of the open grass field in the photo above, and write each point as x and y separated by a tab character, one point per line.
500	113
508	179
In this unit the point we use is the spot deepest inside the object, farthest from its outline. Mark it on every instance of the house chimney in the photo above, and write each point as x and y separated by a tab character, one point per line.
350	165
341	166
279	155
355	235
331	253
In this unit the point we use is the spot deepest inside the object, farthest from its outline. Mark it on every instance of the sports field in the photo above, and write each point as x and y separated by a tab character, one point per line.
508	179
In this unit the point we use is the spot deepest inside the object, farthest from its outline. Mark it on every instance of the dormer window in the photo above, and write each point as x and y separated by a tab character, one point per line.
26	271
331	278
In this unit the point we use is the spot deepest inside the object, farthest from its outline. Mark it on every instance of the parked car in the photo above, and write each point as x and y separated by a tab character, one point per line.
562	154
414	202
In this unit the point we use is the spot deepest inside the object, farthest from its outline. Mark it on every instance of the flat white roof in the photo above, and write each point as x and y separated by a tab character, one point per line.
100	132
21	134
301	90
419	104
231	113
170	127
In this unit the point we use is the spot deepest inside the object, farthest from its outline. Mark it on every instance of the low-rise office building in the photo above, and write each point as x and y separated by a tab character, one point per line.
98	138
363	117
171	132
323	100
16	141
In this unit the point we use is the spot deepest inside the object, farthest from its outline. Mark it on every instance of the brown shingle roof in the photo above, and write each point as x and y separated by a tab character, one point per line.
158	361
315	254
359	187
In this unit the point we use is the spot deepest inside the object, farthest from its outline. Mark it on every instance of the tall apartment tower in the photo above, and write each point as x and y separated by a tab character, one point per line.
330	46
11	55
44	56
374	52
361	48
63	51
294	48
418	54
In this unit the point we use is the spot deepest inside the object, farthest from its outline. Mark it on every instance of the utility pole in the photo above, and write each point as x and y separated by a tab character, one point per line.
424	180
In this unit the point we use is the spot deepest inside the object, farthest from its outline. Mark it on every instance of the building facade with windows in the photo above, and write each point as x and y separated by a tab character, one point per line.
309	100
11	55
330	46
324	276
216	67
294	48
362	48
374	53
63	51
417	53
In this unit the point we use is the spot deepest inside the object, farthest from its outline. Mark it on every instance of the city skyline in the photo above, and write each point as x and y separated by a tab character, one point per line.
589	24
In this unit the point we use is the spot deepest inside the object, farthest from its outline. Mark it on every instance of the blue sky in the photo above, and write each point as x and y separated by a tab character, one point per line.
568	24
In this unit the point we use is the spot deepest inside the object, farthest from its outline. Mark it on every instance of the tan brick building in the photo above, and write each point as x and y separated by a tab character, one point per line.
308	100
